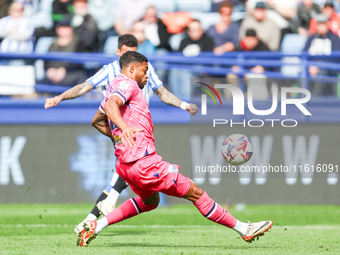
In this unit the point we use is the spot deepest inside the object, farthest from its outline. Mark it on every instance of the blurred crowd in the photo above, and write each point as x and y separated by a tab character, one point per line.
185	26
240	23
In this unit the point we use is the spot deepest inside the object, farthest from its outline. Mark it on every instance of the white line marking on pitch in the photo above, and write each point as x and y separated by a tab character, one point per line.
150	226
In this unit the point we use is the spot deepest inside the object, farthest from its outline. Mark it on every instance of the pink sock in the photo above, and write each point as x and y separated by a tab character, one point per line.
213	211
128	209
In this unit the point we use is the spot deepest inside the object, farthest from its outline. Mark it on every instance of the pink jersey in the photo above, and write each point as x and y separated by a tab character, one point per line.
136	113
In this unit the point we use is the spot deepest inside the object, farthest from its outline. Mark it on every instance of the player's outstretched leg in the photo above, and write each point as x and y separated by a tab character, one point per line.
108	204
109	196
128	209
214	212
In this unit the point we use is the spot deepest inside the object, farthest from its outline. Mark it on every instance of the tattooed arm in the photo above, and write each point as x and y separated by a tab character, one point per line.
71	93
167	97
100	122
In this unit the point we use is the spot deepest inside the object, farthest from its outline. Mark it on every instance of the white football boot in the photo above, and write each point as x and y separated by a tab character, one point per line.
79	227
105	207
256	229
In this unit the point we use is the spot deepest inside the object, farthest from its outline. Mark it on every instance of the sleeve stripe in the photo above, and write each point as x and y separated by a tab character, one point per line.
155	82
117	93
155	78
155	86
117	68
95	82
105	78
90	81
114	71
101	109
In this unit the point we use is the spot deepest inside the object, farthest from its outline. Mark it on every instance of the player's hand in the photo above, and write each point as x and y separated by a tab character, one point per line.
51	102
128	135
192	108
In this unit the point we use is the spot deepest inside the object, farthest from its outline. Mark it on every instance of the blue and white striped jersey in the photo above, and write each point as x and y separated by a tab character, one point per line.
19	42
108	72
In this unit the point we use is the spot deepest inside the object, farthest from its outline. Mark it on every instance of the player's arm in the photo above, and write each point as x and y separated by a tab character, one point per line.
167	97
101	123
111	109
71	93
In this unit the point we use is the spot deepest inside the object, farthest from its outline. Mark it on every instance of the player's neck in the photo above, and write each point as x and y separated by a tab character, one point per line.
127	75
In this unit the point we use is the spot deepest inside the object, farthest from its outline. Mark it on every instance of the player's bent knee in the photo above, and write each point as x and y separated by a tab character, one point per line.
152	201
194	193
198	192
149	208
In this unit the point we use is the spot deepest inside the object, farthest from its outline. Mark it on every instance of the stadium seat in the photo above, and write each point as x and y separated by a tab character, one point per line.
13	84
42	13
103	12
175	41
165	6
239	12
111	44
206	18
194	5
292	44
42	47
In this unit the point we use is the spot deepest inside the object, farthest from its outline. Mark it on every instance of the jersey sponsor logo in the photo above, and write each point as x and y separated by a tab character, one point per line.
118	139
124	84
173	169
122	90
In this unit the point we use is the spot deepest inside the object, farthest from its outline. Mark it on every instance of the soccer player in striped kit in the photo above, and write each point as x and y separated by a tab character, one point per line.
124	115
107	200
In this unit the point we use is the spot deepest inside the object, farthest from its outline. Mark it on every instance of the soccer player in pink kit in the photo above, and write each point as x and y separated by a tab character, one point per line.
125	116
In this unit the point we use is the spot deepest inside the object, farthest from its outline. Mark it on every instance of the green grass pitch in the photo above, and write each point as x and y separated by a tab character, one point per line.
180	229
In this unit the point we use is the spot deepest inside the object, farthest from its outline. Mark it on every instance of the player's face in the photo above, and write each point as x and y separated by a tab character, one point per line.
124	49
142	75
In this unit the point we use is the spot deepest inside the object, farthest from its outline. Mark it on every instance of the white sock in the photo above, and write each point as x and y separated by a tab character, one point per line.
101	224
112	197
90	217
241	228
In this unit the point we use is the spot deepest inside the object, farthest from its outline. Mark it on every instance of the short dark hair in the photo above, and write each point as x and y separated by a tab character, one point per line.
130	57
128	40
192	21
195	20
225	4
328	3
